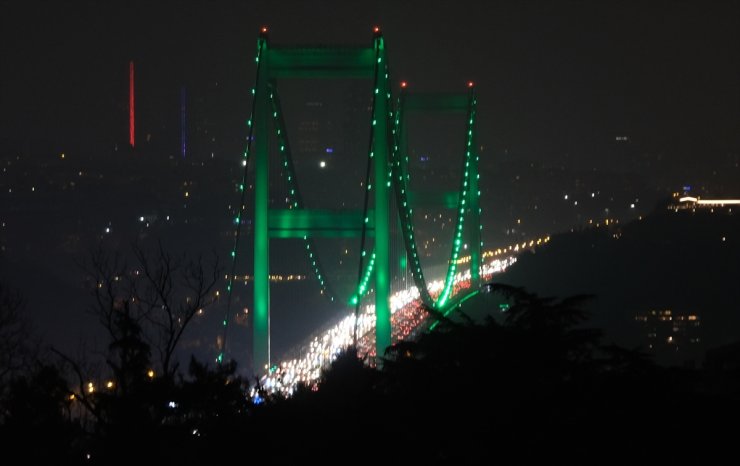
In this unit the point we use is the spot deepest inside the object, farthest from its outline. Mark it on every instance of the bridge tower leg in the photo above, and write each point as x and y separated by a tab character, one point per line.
261	322
381	186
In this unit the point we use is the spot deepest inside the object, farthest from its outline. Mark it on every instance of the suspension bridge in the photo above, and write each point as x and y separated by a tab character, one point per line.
387	210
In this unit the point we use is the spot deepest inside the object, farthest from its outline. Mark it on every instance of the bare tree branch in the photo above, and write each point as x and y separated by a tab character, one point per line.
163	293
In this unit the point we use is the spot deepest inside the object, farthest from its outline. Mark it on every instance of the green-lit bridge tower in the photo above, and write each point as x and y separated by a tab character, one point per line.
277	62
466	201
388	173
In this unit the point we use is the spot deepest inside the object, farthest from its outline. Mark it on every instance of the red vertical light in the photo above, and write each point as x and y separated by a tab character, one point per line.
131	125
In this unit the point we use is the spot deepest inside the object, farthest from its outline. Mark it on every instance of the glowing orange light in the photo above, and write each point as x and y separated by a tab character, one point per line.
263	30
470	83
403	84
376	29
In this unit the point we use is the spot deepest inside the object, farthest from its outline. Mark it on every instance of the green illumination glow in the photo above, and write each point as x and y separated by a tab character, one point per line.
261	315
466	195
387	143
246	153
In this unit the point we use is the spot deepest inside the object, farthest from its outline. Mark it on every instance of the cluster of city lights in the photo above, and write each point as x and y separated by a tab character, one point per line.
407	315
516	247
692	203
274	278
91	386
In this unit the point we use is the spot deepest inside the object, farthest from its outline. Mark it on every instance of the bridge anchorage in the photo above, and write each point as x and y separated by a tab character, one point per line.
388	199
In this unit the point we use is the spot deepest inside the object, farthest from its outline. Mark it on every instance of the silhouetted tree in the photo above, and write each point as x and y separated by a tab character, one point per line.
37	407
15	344
162	294
213	394
175	289
128	353
128	406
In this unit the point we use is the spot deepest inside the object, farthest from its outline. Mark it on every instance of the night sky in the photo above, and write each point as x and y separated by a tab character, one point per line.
554	77
558	82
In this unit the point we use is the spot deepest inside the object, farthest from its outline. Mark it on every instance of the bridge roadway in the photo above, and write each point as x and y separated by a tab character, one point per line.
408	318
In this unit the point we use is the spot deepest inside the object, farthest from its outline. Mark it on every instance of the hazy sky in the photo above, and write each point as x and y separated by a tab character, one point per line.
554	76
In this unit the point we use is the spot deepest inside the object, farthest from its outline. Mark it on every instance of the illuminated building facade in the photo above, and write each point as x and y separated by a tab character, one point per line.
673	335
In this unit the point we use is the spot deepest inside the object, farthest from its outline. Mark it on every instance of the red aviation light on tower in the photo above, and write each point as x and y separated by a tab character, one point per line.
376	31
131	120
263	31
471	84
404	84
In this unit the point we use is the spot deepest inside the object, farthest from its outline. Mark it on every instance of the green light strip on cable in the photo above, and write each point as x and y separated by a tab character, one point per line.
401	178
240	208
294	195
457	239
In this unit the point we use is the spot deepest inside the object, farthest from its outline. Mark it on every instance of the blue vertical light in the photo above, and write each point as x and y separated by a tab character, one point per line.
183	122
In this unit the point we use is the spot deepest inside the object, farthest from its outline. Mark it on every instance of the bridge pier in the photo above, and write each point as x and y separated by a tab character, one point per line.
381	146
261	322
